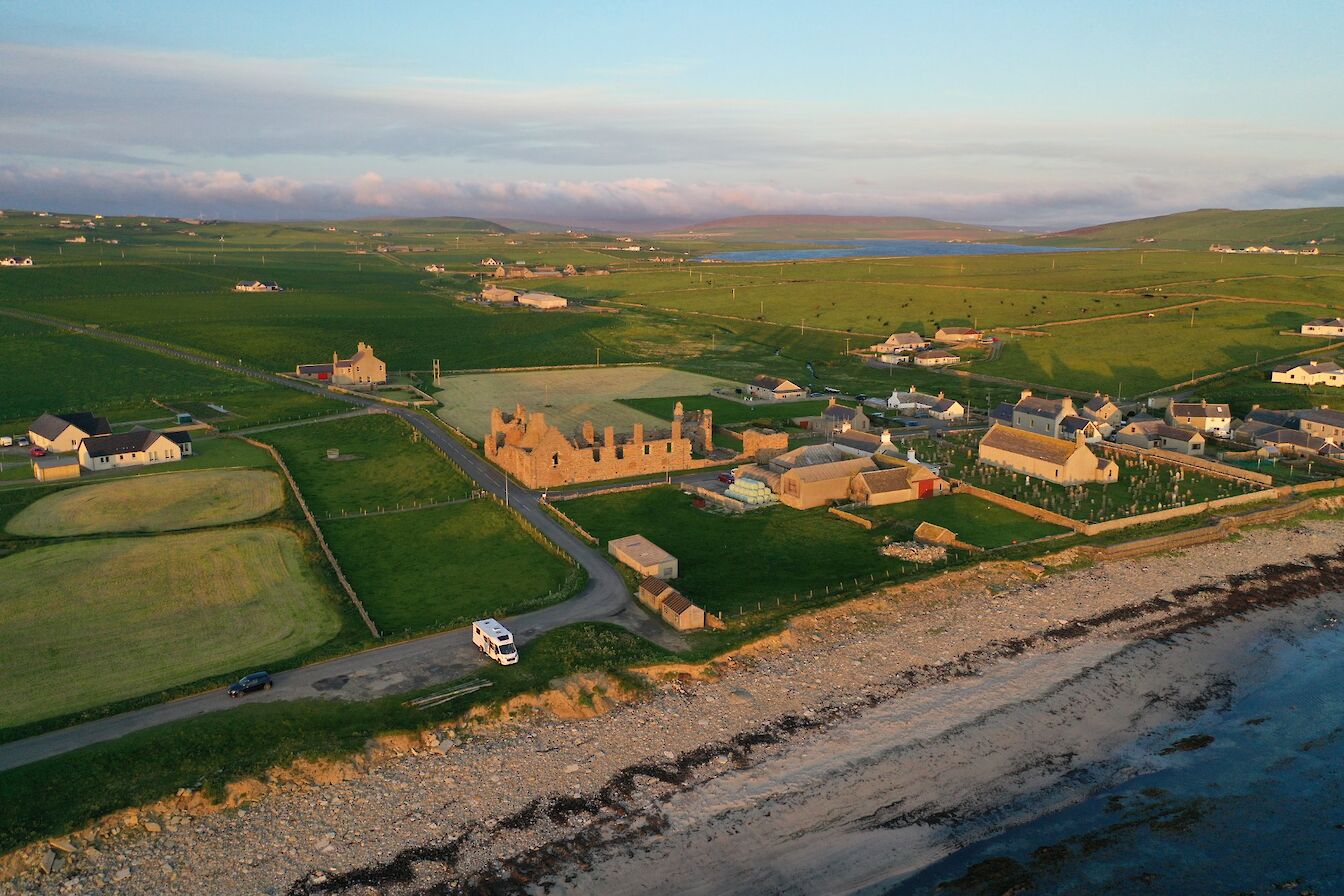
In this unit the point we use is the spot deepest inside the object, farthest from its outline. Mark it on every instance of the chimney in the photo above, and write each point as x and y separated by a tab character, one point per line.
1026	393
886	437
1078	438
940	393
910	456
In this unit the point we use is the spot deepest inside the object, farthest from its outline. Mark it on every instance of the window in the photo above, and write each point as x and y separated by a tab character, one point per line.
646	449
555	459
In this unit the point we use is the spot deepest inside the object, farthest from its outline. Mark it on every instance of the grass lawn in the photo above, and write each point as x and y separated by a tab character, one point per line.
66	792
1139	354
90	622
731	561
444	566
1251	387
161	502
975	521
568	397
726	411
385	466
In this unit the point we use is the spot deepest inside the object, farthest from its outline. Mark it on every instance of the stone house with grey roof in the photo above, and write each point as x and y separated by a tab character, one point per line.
1045	457
1211	418
1041	415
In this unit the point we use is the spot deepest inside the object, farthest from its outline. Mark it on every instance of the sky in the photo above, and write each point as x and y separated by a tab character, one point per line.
1039	114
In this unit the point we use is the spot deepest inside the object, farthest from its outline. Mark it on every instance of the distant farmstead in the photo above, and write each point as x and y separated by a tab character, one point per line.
772	388
256	286
361	368
936	358
16	261
1324	326
542	301
1309	373
128	449
956	334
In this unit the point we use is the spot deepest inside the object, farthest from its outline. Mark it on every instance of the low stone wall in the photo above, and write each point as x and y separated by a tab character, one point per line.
317	531
610	490
1021	507
851	518
1176	512
1317	486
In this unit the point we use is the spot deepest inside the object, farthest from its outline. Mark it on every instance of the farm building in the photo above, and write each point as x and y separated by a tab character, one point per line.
889	358
542	456
434	268
542	301
1324	326
773	388
956	334
1309	373
256	286
894	485
902	342
1044	457
1213	419
363	367
128	449
936	358
1159	434
806	456
498	294
64	432
804	487
55	467
643	556
16	261
678	612
864	444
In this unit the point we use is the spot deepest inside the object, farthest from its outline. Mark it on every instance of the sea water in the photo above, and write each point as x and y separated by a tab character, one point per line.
882	249
1245	797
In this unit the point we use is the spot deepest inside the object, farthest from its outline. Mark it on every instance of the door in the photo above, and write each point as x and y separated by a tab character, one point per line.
925	488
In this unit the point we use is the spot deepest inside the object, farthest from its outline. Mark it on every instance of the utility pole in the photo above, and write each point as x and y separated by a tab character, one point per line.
800	326
599	356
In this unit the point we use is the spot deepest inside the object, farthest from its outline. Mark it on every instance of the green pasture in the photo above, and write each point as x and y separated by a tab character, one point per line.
442	567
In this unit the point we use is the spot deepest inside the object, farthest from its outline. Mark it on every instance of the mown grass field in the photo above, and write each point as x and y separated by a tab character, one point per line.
95	621
567	397
442	567
386	466
153	503
727	562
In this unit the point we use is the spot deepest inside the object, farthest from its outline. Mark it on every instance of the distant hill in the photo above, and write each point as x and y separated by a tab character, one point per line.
839	227
414	226
1280	228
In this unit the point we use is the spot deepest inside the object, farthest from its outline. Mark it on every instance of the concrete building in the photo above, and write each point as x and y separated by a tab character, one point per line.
1045	457
361	368
541	456
1324	326
136	448
542	301
1309	373
54	467
814	485
499	295
1209	418
643	556
772	388
64	432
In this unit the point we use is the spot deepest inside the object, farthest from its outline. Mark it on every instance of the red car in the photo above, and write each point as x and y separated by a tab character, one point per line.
727	477
37	452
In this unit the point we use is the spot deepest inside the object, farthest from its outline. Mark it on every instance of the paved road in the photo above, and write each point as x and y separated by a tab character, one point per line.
392	668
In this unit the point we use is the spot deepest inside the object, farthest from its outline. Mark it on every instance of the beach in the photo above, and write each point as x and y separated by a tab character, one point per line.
854	752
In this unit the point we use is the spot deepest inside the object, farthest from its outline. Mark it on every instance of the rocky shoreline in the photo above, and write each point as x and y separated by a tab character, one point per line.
523	803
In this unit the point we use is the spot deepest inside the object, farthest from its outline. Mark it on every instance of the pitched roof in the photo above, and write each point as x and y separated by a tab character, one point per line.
1199	409
314	369
1324	416
773	383
1310	367
910	338
1003	412
1040	407
49	426
1097	402
1073	423
1029	444
1324	322
121	443
841	412
641	549
839	469
677	602
654	585
892	479
1269	415
958	331
180	436
808	455
938	353
856	438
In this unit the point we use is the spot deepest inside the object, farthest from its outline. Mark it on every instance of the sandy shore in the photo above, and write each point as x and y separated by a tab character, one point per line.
771	773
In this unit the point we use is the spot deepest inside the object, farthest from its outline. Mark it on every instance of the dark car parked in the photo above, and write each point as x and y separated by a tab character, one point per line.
257	681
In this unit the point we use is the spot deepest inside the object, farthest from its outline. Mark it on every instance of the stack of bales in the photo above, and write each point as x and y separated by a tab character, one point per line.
751	491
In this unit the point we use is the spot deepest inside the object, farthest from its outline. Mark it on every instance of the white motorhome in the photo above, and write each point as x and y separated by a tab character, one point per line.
495	641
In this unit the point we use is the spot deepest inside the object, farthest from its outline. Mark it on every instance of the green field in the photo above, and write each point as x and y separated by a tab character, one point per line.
90	622
160	503
974	521
728	562
442	567
385	465
1197	229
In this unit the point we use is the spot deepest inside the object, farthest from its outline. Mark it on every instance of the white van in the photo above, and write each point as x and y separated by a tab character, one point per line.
6	441
495	641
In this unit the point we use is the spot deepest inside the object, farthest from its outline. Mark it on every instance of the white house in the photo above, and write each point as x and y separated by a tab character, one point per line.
902	342
1323	326
1309	373
64	432
936	358
128	449
920	403
1211	418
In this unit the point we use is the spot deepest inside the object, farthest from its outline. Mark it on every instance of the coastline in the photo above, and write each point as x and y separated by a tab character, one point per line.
706	749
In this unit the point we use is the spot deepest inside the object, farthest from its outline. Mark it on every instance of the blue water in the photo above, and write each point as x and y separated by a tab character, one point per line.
1258	810
883	249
